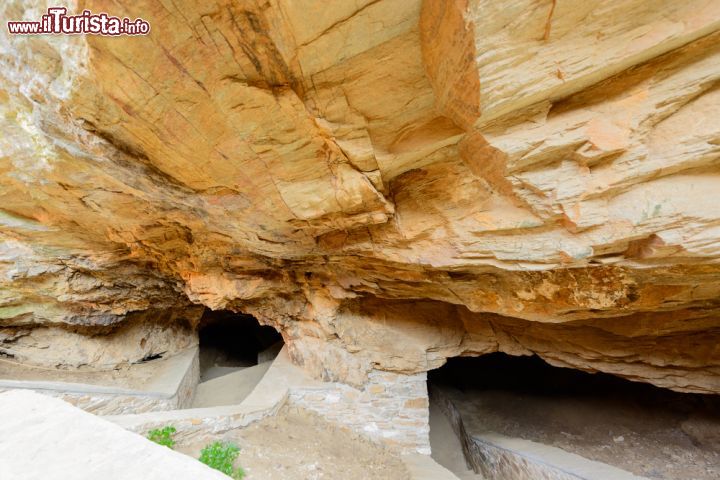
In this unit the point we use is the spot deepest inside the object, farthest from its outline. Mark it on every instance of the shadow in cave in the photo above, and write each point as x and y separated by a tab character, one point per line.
231	341
530	375
650	431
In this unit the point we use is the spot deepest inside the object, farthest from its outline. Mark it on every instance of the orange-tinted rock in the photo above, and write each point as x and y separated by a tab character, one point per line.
546	180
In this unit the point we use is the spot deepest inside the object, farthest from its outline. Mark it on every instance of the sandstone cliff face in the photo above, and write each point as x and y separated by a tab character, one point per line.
543	176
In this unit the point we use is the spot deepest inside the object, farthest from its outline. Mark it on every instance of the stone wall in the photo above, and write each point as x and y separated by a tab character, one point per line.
391	408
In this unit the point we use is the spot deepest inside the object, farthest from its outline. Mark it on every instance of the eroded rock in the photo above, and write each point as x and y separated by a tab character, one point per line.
543	176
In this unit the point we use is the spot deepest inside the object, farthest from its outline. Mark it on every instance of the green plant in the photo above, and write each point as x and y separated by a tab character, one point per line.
221	456
163	436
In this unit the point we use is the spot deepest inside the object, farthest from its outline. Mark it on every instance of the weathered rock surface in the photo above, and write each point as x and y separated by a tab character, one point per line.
543	175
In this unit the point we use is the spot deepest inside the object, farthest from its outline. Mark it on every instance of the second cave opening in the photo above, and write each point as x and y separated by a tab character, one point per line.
649	431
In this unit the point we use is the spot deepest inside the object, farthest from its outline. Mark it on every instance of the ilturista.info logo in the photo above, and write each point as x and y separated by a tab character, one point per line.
58	22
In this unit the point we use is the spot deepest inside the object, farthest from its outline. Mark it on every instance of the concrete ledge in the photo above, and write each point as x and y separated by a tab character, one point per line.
500	457
163	384
229	389
266	398
513	455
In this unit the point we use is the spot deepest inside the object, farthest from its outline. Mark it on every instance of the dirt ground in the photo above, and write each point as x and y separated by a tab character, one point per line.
298	445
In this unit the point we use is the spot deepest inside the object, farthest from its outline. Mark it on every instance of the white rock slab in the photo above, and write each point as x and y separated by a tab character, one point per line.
49	439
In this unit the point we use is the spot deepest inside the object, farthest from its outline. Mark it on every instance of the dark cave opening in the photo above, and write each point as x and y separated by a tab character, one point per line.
647	430
530	375
230	341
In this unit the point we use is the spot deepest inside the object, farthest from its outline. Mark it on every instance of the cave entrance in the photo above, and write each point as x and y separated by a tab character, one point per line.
231	341
649	431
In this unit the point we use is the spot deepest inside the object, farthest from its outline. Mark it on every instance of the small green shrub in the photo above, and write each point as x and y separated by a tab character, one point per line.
221	456
163	436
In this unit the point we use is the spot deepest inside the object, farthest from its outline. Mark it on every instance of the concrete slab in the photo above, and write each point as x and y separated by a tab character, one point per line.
215	372
229	389
48	439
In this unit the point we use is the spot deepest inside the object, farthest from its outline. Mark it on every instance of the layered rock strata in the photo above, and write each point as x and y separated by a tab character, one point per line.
542	175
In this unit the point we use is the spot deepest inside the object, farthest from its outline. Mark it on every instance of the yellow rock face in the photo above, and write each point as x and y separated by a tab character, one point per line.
543	175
